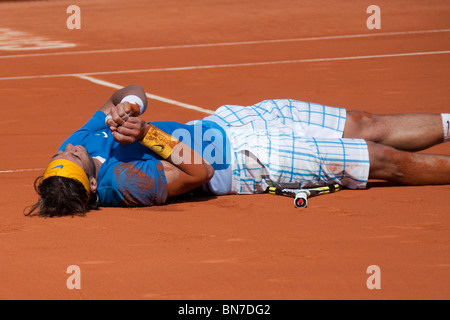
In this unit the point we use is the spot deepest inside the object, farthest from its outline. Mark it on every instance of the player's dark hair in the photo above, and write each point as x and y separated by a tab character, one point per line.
60	196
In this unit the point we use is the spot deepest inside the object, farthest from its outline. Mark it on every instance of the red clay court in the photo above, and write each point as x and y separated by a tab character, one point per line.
192	57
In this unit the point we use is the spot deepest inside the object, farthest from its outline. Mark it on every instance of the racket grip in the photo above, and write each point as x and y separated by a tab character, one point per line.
301	200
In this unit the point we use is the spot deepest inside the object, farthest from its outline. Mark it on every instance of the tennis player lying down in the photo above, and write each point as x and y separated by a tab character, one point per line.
238	150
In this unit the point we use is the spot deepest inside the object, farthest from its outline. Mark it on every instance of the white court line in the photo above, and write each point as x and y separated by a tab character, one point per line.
203	45
21	170
149	95
13	40
247	64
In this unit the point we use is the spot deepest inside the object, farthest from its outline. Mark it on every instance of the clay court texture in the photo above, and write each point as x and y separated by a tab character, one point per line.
192	57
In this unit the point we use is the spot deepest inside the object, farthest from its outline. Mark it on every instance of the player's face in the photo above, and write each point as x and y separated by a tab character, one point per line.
79	156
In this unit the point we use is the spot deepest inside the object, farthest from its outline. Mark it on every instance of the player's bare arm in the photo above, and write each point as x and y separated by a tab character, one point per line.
184	169
184	177
118	109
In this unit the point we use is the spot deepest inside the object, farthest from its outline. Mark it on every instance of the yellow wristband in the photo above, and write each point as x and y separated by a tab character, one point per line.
159	142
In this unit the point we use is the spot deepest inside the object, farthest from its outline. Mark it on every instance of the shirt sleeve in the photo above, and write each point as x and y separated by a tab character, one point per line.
96	123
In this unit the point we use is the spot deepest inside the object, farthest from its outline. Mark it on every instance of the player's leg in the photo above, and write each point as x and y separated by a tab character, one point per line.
409	168
410	132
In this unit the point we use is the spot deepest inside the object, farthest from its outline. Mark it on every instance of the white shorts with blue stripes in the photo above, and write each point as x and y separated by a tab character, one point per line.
292	144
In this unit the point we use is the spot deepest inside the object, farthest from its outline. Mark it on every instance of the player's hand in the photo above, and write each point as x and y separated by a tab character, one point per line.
130	131
119	114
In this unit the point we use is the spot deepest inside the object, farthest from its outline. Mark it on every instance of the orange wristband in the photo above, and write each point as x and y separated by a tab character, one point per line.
159	141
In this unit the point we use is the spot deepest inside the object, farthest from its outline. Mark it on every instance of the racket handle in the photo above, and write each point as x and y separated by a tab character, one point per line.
301	199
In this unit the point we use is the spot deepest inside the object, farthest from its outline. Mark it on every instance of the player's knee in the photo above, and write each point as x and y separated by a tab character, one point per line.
364	125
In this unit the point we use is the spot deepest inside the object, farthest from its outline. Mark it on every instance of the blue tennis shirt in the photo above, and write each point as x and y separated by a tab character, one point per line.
133	175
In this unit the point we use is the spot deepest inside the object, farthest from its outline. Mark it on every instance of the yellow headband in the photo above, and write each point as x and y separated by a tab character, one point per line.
67	169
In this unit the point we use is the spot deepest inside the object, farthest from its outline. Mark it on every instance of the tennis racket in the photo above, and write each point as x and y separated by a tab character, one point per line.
301	195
